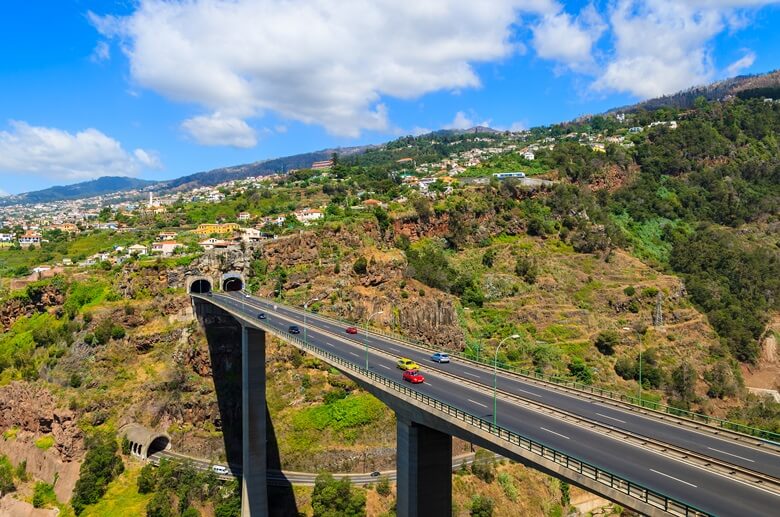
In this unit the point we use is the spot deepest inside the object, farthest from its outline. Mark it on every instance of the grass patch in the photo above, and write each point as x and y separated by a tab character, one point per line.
10	433
122	498
353	411
44	443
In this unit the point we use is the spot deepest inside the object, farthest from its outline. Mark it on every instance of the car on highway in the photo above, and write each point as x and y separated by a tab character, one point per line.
375	474
209	294
414	376
407	364
441	357
261	316
351	330
293	329
219	469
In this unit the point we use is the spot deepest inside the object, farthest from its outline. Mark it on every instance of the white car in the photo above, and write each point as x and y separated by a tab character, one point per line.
219	469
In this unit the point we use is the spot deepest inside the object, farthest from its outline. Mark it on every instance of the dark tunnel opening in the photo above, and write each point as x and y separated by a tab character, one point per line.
200	286
159	444
232	284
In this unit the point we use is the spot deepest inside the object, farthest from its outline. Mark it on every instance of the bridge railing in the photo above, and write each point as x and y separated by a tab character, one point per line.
598	474
561	381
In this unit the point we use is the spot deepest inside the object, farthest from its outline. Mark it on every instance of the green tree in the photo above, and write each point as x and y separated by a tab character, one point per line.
6	475
43	494
684	383
160	505
484	465
580	370
526	268
147	479
336	498
606	342
360	266
101	465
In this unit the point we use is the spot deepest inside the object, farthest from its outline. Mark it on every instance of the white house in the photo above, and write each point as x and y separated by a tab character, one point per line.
218	244
529	155
6	237
137	249
251	235
29	238
244	216
308	215
165	248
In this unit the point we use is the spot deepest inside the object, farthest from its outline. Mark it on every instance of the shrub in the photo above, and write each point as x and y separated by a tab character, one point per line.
75	380
43	495
526	268
481	506
606	341
160	505
580	370
360	266
629	291
720	381
484	466
44	442
383	486
508	485
6	475
649	292
625	368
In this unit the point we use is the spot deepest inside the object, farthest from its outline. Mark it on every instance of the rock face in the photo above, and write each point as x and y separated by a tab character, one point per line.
39	300
32	409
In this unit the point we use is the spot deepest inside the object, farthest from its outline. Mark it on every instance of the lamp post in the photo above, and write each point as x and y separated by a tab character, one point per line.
365	335
305	305
639	337
495	376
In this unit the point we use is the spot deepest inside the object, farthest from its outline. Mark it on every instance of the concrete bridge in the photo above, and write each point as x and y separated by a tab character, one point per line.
638	459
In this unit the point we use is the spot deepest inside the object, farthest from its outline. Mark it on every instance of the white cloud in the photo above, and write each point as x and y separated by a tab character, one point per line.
662	46
148	159
101	52
327	62
465	121
569	40
742	63
3	193
218	129
62	155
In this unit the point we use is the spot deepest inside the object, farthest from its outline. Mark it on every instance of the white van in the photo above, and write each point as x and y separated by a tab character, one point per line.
219	469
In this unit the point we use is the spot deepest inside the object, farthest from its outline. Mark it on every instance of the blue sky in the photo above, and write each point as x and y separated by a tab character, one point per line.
157	89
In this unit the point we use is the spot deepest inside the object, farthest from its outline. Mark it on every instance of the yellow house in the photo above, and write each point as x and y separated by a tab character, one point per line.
208	229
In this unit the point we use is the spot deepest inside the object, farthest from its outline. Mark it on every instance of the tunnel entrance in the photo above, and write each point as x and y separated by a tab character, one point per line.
200	286
232	284
159	444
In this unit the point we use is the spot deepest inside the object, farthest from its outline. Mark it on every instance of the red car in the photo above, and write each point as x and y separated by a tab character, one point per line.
414	376
351	330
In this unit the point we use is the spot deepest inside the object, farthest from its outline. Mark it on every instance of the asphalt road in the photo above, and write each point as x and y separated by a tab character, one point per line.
703	489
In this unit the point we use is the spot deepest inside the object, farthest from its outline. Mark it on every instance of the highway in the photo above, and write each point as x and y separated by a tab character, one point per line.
711	492
284	477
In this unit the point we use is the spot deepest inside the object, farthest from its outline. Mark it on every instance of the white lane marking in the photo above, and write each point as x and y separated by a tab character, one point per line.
553	432
529	392
477	403
394	349
676	479
385	367
471	375
353	353
724	452
329	344
612	418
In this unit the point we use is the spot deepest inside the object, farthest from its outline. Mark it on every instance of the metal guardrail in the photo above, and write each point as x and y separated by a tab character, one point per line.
629	399
598	474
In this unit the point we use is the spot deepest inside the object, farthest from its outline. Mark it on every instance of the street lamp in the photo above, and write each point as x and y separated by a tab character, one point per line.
305	305
365	335
495	375
639	336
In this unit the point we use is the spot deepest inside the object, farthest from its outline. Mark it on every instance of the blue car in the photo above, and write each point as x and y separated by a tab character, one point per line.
440	357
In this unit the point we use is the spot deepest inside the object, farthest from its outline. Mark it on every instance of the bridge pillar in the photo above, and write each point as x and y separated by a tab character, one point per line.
254	491
424	466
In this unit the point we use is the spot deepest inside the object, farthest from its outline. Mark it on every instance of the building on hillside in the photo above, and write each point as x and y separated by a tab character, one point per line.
166	248
405	160
529	155
67	262
252	235
636	129
167	236
507	175
218	244
138	249
374	203
29	238
322	165
66	227
308	215
218	228
6	237
277	220
244	216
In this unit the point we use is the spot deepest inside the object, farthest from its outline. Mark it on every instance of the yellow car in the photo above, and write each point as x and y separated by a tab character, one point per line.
407	364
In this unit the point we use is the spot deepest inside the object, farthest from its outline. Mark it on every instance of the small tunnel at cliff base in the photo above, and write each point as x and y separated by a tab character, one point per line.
200	286
232	284
159	444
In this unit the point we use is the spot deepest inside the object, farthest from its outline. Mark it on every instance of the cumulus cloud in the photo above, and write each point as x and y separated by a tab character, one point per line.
218	129
327	62
742	63
678	54
569	40
63	155
464	121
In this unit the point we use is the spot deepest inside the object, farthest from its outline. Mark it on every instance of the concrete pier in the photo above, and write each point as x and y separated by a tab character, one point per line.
424	463
254	491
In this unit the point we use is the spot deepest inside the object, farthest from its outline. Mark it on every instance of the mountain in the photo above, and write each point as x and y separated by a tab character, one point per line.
98	187
762	85
113	184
